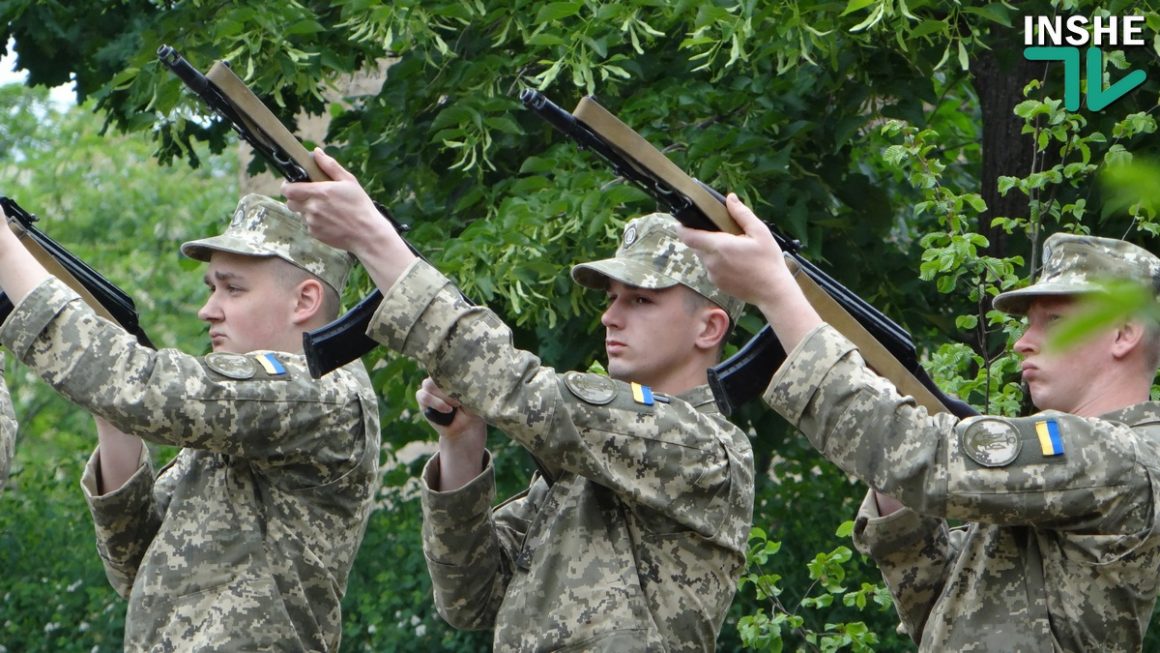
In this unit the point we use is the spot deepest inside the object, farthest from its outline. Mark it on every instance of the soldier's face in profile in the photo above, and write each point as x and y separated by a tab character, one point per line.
1064	380
248	308
648	333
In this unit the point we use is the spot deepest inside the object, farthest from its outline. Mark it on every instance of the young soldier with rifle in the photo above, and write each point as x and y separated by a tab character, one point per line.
634	534
1061	547
245	540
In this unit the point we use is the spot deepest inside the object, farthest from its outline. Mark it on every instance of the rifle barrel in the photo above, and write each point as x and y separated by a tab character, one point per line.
184	70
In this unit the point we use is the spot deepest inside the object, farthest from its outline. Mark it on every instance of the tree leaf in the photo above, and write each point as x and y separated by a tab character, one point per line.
556	10
856	5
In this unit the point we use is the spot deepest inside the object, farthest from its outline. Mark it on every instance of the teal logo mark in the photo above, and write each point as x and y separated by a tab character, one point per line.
1098	97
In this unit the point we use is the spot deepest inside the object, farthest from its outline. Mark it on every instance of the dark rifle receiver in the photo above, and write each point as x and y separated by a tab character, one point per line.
102	295
746	374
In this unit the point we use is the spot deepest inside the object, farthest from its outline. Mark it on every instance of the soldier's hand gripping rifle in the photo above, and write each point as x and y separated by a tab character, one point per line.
887	347
331	346
109	301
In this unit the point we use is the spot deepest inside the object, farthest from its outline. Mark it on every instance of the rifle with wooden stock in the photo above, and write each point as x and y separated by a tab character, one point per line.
109	301
342	341
885	345
333	345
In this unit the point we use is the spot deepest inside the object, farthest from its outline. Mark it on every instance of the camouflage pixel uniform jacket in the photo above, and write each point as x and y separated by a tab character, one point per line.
1061	552
636	545
7	428
244	542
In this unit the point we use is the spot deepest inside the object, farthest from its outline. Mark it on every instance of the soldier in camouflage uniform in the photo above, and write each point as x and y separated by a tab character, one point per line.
245	540
634	534
1061	550
7	428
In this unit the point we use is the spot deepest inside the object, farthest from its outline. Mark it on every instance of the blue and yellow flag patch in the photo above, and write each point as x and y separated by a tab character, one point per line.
271	364
1050	439
642	394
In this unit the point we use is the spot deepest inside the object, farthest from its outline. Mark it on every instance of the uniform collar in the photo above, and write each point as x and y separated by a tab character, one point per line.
701	398
1136	414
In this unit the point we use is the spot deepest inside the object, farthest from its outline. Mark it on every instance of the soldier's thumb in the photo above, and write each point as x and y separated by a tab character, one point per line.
331	166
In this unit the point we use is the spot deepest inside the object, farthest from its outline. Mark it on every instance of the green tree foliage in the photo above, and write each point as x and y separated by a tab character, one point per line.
906	144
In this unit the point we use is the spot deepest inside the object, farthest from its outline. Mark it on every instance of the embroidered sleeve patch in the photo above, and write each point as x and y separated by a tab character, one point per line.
591	388
232	366
642	394
991	442
1050	438
271	364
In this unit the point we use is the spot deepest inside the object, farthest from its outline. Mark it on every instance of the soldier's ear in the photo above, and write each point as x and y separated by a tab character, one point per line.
308	300
714	327
1129	338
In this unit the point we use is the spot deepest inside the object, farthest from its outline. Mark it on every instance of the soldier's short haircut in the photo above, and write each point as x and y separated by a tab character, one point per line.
291	276
695	301
1151	342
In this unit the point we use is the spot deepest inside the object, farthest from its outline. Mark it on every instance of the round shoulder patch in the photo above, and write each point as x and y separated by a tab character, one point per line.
231	366
591	388
991	442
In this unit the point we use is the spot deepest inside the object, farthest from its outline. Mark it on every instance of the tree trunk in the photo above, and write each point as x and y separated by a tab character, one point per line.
999	77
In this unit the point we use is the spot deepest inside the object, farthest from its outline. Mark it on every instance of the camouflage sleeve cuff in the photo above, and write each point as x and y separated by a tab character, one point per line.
878	536
136	494
454	518
30	317
403	305
798	378
123	520
8	428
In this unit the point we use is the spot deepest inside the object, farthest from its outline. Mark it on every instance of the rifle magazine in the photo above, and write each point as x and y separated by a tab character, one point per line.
333	345
744	376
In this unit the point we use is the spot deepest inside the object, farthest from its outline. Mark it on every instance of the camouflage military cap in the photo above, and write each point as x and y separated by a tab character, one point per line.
1074	264
265	227
651	256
